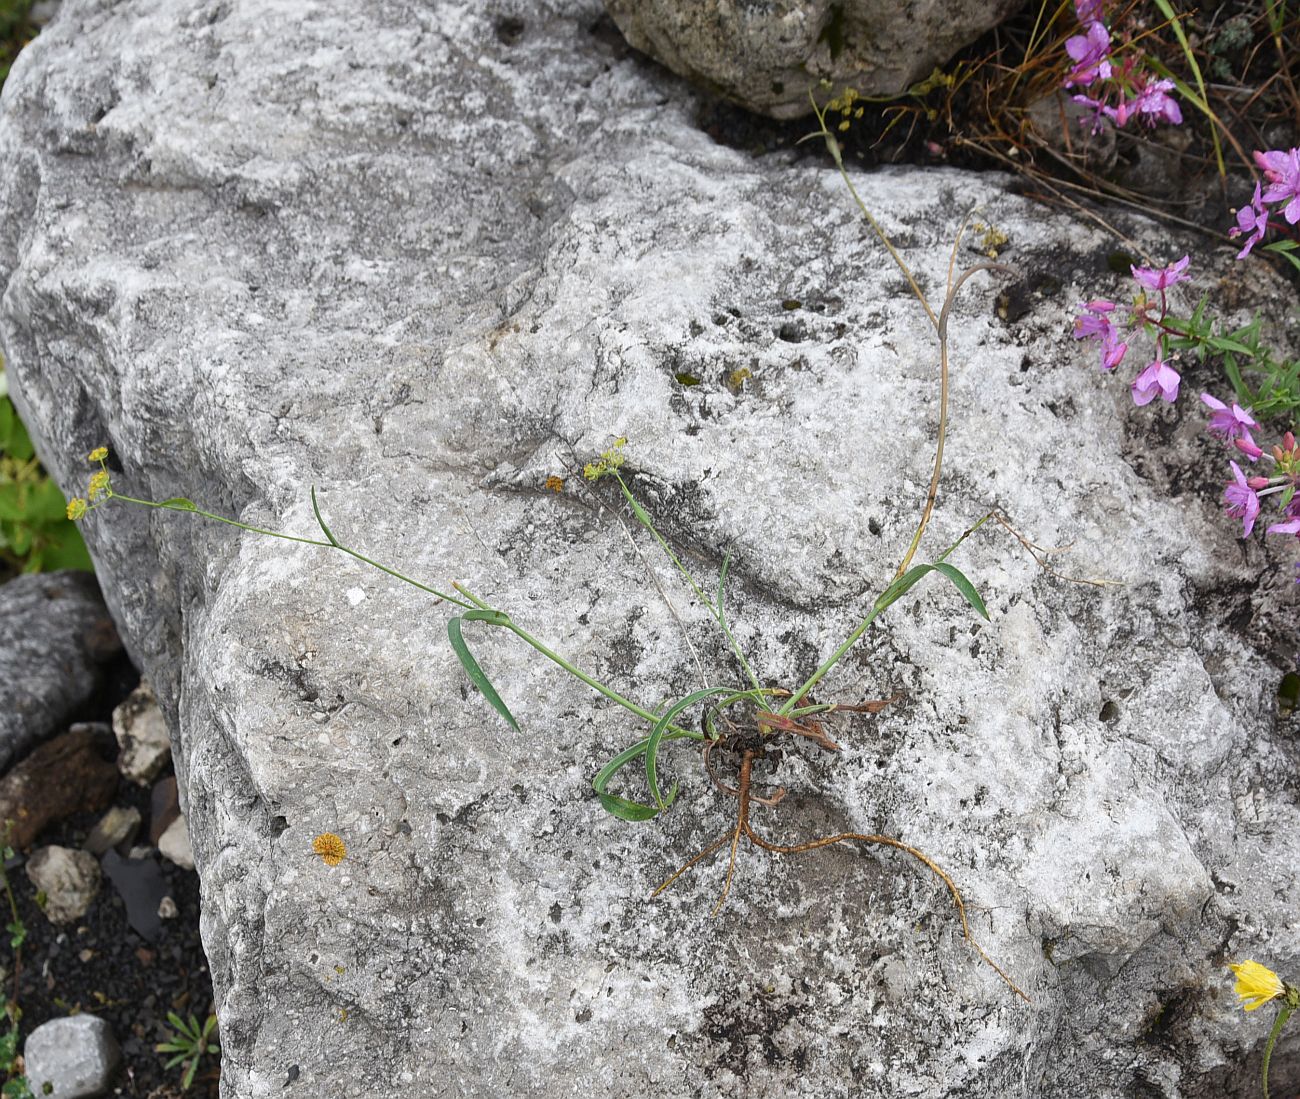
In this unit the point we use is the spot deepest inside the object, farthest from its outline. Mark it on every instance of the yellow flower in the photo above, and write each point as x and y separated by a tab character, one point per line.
1256	984
76	508
98	454
331	848
98	484
609	461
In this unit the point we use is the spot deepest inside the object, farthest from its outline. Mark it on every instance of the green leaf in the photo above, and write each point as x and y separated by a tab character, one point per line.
622	807
1222	343
964	586
914	575
315	507
17	933
467	661
627	810
180	503
661	727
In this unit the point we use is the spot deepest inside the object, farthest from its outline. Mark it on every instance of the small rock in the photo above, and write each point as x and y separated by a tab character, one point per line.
72	1058
174	844
167	909
70	774
164	807
69	879
142	735
143	954
56	640
85	955
118	826
140	884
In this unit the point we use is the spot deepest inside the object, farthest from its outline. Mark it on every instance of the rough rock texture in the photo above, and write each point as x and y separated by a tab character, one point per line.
141	732
118	826
69	879
72	1058
56	637
768	56
424	257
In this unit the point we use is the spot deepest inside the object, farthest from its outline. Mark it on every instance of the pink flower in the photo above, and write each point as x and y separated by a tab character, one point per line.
1096	324
1088	11
1228	423
1158	378
1252	219
1240	501
1163	278
1090	52
1290	527
1099	111
1282	170
1154	102
1247	446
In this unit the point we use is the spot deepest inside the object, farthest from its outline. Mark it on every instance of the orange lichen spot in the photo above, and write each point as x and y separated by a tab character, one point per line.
331	848
554	483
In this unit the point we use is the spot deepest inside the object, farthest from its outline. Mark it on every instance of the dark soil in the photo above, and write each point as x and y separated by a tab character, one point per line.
101	965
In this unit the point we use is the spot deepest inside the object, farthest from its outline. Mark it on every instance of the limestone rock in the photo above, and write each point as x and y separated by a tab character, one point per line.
426	256
56	638
118	826
141	732
69	879
174	844
72	1058
767	57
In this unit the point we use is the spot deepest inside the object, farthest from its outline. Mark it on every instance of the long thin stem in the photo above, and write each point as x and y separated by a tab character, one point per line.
190	509
941	435
718	616
1284	1013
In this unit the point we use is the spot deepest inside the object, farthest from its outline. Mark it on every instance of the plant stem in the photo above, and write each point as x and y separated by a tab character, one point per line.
192	510
1284	1013
644	517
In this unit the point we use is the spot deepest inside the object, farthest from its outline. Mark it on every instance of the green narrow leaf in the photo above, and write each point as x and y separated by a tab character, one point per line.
661	727
914	575
315	507
467	661
1222	343
901	586
964	586
180	503
622	807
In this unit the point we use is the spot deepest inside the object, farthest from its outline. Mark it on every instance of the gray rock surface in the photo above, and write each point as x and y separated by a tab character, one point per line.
174	844
74	1058
69	879
56	637
768	56
424	256
118	826
142	736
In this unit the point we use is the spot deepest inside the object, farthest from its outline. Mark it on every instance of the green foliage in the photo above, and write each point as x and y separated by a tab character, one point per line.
16	30
35	534
189	1043
1276	388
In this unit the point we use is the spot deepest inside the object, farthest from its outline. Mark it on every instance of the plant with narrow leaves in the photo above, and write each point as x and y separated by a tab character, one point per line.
189	1043
744	719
